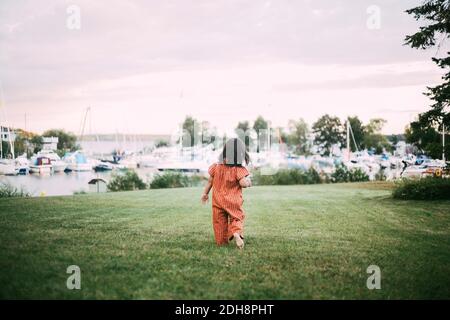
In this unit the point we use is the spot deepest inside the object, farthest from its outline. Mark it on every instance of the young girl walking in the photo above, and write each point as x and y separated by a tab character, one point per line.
227	178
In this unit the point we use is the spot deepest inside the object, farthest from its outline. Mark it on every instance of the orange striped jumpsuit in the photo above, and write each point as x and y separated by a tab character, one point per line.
228	214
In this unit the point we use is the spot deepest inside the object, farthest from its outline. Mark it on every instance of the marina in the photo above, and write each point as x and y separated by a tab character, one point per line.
46	174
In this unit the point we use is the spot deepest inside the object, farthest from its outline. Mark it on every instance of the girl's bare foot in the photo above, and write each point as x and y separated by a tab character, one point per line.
239	240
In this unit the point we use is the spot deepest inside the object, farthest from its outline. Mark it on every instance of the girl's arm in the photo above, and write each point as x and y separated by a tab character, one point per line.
245	182
206	190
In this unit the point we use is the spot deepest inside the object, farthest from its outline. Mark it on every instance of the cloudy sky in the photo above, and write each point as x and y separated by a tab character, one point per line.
143	65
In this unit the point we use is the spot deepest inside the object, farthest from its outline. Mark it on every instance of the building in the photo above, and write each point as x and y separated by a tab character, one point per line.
50	143
7	134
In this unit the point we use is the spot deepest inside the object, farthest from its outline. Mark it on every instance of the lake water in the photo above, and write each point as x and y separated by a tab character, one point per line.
105	148
67	183
63	183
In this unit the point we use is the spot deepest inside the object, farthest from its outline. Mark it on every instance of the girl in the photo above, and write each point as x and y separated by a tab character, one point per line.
227	178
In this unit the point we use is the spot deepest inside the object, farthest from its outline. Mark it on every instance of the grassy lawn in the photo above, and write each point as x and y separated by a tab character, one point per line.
303	242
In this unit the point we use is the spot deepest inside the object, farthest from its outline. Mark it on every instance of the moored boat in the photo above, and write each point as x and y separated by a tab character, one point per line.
7	167
41	165
103	166
58	165
77	161
22	165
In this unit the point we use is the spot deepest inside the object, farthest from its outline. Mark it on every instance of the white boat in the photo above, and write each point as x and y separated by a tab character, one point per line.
77	161
427	168
128	163
21	165
58	165
41	165
104	166
149	161
7	167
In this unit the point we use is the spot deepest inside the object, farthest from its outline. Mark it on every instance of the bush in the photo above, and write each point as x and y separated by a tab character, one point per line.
287	177
126	182
9	191
429	188
175	180
343	174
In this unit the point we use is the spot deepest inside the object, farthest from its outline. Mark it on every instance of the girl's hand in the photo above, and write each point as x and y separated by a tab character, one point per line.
205	198
245	182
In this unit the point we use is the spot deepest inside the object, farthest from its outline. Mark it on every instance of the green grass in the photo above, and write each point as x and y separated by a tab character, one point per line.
303	242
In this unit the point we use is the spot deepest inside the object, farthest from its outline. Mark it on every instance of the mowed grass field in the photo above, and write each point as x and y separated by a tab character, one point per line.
302	242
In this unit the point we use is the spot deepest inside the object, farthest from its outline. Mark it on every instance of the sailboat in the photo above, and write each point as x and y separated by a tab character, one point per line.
77	161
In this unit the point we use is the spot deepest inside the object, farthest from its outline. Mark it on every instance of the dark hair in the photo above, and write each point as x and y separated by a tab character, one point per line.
234	153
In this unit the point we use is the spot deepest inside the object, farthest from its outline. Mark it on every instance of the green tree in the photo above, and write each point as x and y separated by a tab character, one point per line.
425	138
67	141
395	138
358	133
242	128
192	127
207	133
279	135
259	125
297	137
6	149
437	15
373	139
328	131
161	143
20	144
36	143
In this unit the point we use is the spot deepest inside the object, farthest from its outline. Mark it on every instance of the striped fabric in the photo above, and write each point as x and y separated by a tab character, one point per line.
228	214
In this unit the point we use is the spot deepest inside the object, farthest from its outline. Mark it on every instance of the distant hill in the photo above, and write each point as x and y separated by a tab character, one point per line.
127	137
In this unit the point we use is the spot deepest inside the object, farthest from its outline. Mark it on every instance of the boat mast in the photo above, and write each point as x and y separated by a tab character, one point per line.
11	144
348	140
84	123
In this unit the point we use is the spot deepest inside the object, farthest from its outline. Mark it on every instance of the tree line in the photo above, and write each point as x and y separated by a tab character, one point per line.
30	143
299	137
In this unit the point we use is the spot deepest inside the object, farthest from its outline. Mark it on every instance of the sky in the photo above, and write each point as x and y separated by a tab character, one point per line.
142	66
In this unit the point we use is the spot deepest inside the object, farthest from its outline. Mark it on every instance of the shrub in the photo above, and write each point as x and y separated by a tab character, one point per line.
343	174
175	180
169	180
287	177
9	191
126	182
197	180
429	188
